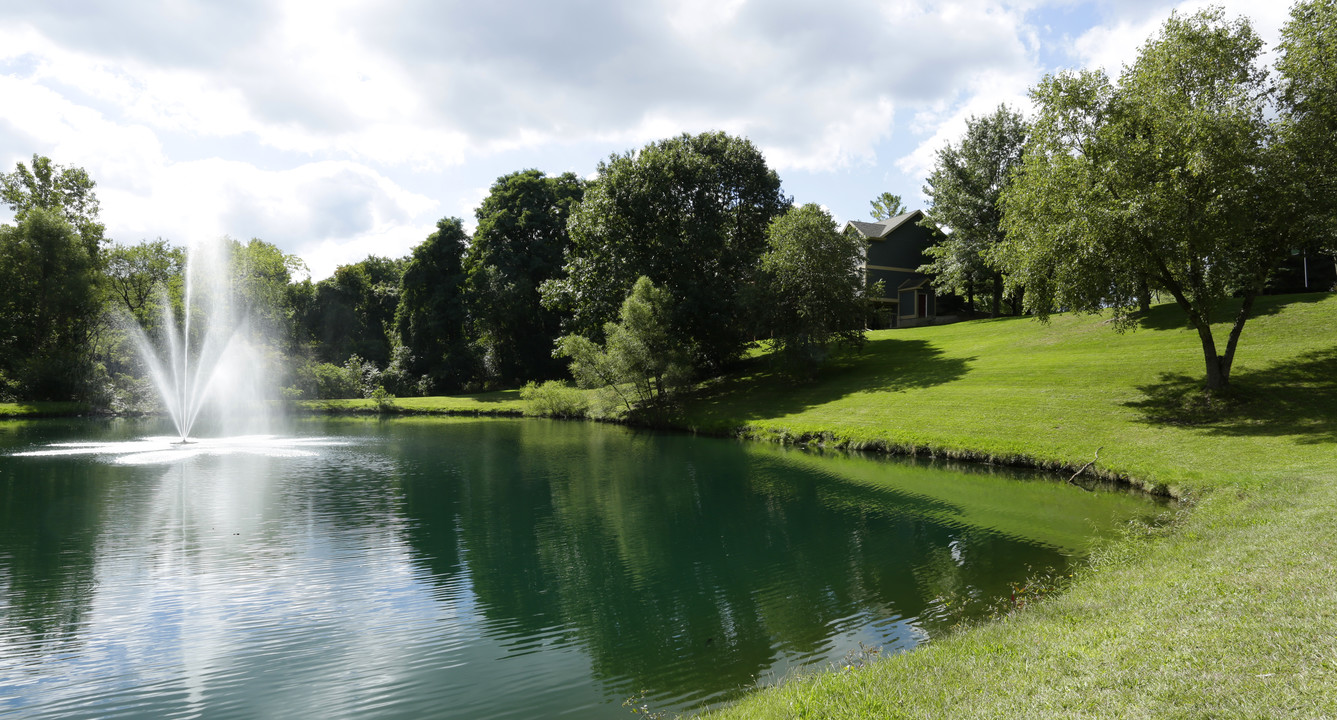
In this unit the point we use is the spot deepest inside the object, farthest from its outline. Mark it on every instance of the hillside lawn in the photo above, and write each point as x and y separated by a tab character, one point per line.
1228	612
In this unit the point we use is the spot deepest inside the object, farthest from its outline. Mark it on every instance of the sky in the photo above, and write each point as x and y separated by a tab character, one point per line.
338	129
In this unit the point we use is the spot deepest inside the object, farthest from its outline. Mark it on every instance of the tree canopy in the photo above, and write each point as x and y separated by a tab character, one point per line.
688	212
49	308
352	312
887	205
964	190
431	315
67	191
520	243
1160	179
815	286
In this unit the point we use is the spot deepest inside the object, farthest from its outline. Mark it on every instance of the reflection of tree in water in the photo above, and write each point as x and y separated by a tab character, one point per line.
683	566
50	519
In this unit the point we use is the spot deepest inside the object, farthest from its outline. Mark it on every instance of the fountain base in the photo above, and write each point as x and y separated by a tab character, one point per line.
184	441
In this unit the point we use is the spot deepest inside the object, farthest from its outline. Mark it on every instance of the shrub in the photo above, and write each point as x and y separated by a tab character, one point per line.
554	399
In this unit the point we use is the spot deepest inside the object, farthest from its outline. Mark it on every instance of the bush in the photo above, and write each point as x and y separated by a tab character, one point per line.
334	381
554	399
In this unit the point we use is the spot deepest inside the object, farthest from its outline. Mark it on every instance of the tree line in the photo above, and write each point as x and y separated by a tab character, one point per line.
1192	175
665	266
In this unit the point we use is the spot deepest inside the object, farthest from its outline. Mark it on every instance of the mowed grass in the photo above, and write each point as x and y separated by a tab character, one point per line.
20	410
1231	612
503	402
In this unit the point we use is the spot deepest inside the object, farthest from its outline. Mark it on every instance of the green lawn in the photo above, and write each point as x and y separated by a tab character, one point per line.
504	402
1231	612
20	410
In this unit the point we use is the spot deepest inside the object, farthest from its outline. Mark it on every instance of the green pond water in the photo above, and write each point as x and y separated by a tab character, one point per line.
483	568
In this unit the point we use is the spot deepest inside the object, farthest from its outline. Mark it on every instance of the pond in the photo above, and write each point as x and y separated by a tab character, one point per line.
484	568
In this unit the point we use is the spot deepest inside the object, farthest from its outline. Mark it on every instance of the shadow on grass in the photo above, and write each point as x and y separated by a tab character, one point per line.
1296	397
763	390
1169	316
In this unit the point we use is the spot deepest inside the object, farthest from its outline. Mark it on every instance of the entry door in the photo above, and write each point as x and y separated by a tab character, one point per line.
921	302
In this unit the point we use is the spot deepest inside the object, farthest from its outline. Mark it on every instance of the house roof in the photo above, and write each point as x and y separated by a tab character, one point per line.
882	228
913	283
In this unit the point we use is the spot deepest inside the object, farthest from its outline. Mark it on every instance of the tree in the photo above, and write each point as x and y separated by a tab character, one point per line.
1160	180
1306	154
691	214
887	205
66	191
815	286
431	316
640	362
261	275
964	189
352	312
520	243
49	308
138	276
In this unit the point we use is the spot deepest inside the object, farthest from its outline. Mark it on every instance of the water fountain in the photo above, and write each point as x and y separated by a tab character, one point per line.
208	361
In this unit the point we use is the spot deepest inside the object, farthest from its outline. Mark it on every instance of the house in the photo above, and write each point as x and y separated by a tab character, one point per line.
895	251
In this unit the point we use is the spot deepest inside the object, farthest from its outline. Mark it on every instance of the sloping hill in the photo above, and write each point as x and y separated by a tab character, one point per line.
1232	612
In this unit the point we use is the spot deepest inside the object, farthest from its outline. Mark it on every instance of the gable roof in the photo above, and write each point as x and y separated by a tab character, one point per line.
882	228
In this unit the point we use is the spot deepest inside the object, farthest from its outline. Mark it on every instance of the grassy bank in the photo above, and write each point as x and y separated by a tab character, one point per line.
504	402
1232	612
22	410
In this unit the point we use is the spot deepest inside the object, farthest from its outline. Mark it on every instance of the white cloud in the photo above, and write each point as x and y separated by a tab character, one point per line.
340	127
1115	45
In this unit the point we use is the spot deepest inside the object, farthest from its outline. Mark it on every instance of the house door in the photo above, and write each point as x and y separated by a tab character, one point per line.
921	301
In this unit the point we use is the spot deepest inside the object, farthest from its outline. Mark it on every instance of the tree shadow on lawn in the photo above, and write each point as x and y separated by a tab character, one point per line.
764	389
1169	316
1293	397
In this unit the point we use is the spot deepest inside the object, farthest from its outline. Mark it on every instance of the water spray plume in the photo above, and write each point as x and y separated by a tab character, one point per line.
205	359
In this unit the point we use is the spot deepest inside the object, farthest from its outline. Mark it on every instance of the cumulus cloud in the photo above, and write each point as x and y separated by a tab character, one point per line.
339	127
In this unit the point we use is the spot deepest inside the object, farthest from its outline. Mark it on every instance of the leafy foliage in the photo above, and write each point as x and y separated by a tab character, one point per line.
139	277
815	286
1159	180
691	214
887	205
352	312
68	191
431	315
520	243
554	398
964	188
640	363
49	309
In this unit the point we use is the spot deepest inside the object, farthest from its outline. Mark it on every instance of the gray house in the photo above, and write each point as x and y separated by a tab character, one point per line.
895	250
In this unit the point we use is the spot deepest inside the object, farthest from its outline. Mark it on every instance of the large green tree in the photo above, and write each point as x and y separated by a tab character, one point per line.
688	212
431	319
352	312
1161	180
520	243
49	308
67	191
964	188
815	287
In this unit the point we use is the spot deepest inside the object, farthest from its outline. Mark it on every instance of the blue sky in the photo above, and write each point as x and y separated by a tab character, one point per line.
341	128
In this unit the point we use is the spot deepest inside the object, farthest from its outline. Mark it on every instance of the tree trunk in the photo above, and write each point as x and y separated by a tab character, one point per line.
1143	297
1218	371
1018	303
997	294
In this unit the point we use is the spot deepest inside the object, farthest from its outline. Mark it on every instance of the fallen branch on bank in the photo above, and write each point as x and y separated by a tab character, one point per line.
1083	469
